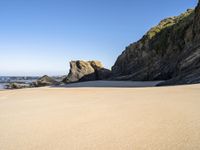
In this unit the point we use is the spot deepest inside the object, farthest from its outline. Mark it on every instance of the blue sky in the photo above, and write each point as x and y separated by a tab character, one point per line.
40	37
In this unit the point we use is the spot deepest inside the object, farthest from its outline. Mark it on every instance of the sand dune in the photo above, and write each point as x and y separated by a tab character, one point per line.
160	118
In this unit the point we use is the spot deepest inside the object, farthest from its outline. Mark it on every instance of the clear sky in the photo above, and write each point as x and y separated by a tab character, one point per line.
40	37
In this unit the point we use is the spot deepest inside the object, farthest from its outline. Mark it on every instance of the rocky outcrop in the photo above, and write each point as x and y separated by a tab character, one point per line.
86	71
17	86
45	81
169	51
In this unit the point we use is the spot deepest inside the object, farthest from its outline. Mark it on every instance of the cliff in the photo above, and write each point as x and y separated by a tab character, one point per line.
169	51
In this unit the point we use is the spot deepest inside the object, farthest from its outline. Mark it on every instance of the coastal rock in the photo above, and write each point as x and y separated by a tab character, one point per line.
45	81
169	51
86	71
17	86
103	74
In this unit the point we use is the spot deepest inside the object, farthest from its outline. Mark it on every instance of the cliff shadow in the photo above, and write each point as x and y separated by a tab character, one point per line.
109	84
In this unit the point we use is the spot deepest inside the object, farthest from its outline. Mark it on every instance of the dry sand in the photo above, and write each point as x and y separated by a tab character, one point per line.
161	118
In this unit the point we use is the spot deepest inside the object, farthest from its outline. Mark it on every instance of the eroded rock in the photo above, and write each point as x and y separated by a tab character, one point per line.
86	71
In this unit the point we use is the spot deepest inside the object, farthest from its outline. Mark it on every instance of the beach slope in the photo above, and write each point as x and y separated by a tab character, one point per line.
158	118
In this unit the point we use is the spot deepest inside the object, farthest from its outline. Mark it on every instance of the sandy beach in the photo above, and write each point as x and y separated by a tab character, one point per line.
158	118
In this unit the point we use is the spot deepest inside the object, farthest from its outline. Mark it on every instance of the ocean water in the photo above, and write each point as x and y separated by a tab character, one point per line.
1	86
12	79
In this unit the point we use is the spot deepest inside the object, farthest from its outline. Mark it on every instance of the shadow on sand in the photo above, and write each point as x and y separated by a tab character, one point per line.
110	84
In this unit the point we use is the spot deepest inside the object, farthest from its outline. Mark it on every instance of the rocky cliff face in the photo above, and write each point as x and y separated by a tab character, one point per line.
86	71
169	51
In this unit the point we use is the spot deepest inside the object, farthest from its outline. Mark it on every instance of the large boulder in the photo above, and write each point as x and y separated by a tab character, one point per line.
45	81
86	71
168	51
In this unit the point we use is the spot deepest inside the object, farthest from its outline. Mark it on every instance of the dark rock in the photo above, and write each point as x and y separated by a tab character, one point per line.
186	78
170	51
45	81
17	86
86	71
103	74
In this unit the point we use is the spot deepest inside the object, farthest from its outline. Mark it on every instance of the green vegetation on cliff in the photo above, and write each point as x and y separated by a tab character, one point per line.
169	22
167	51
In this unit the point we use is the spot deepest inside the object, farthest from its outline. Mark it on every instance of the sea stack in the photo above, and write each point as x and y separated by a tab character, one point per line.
86	71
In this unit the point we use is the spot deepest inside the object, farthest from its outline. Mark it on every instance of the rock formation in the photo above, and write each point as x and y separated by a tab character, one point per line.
17	85
86	71
170	51
45	81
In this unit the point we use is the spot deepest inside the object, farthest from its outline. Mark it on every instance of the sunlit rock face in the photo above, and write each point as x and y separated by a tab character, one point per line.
86	71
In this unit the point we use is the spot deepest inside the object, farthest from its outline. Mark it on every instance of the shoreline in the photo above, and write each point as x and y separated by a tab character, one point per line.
102	84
